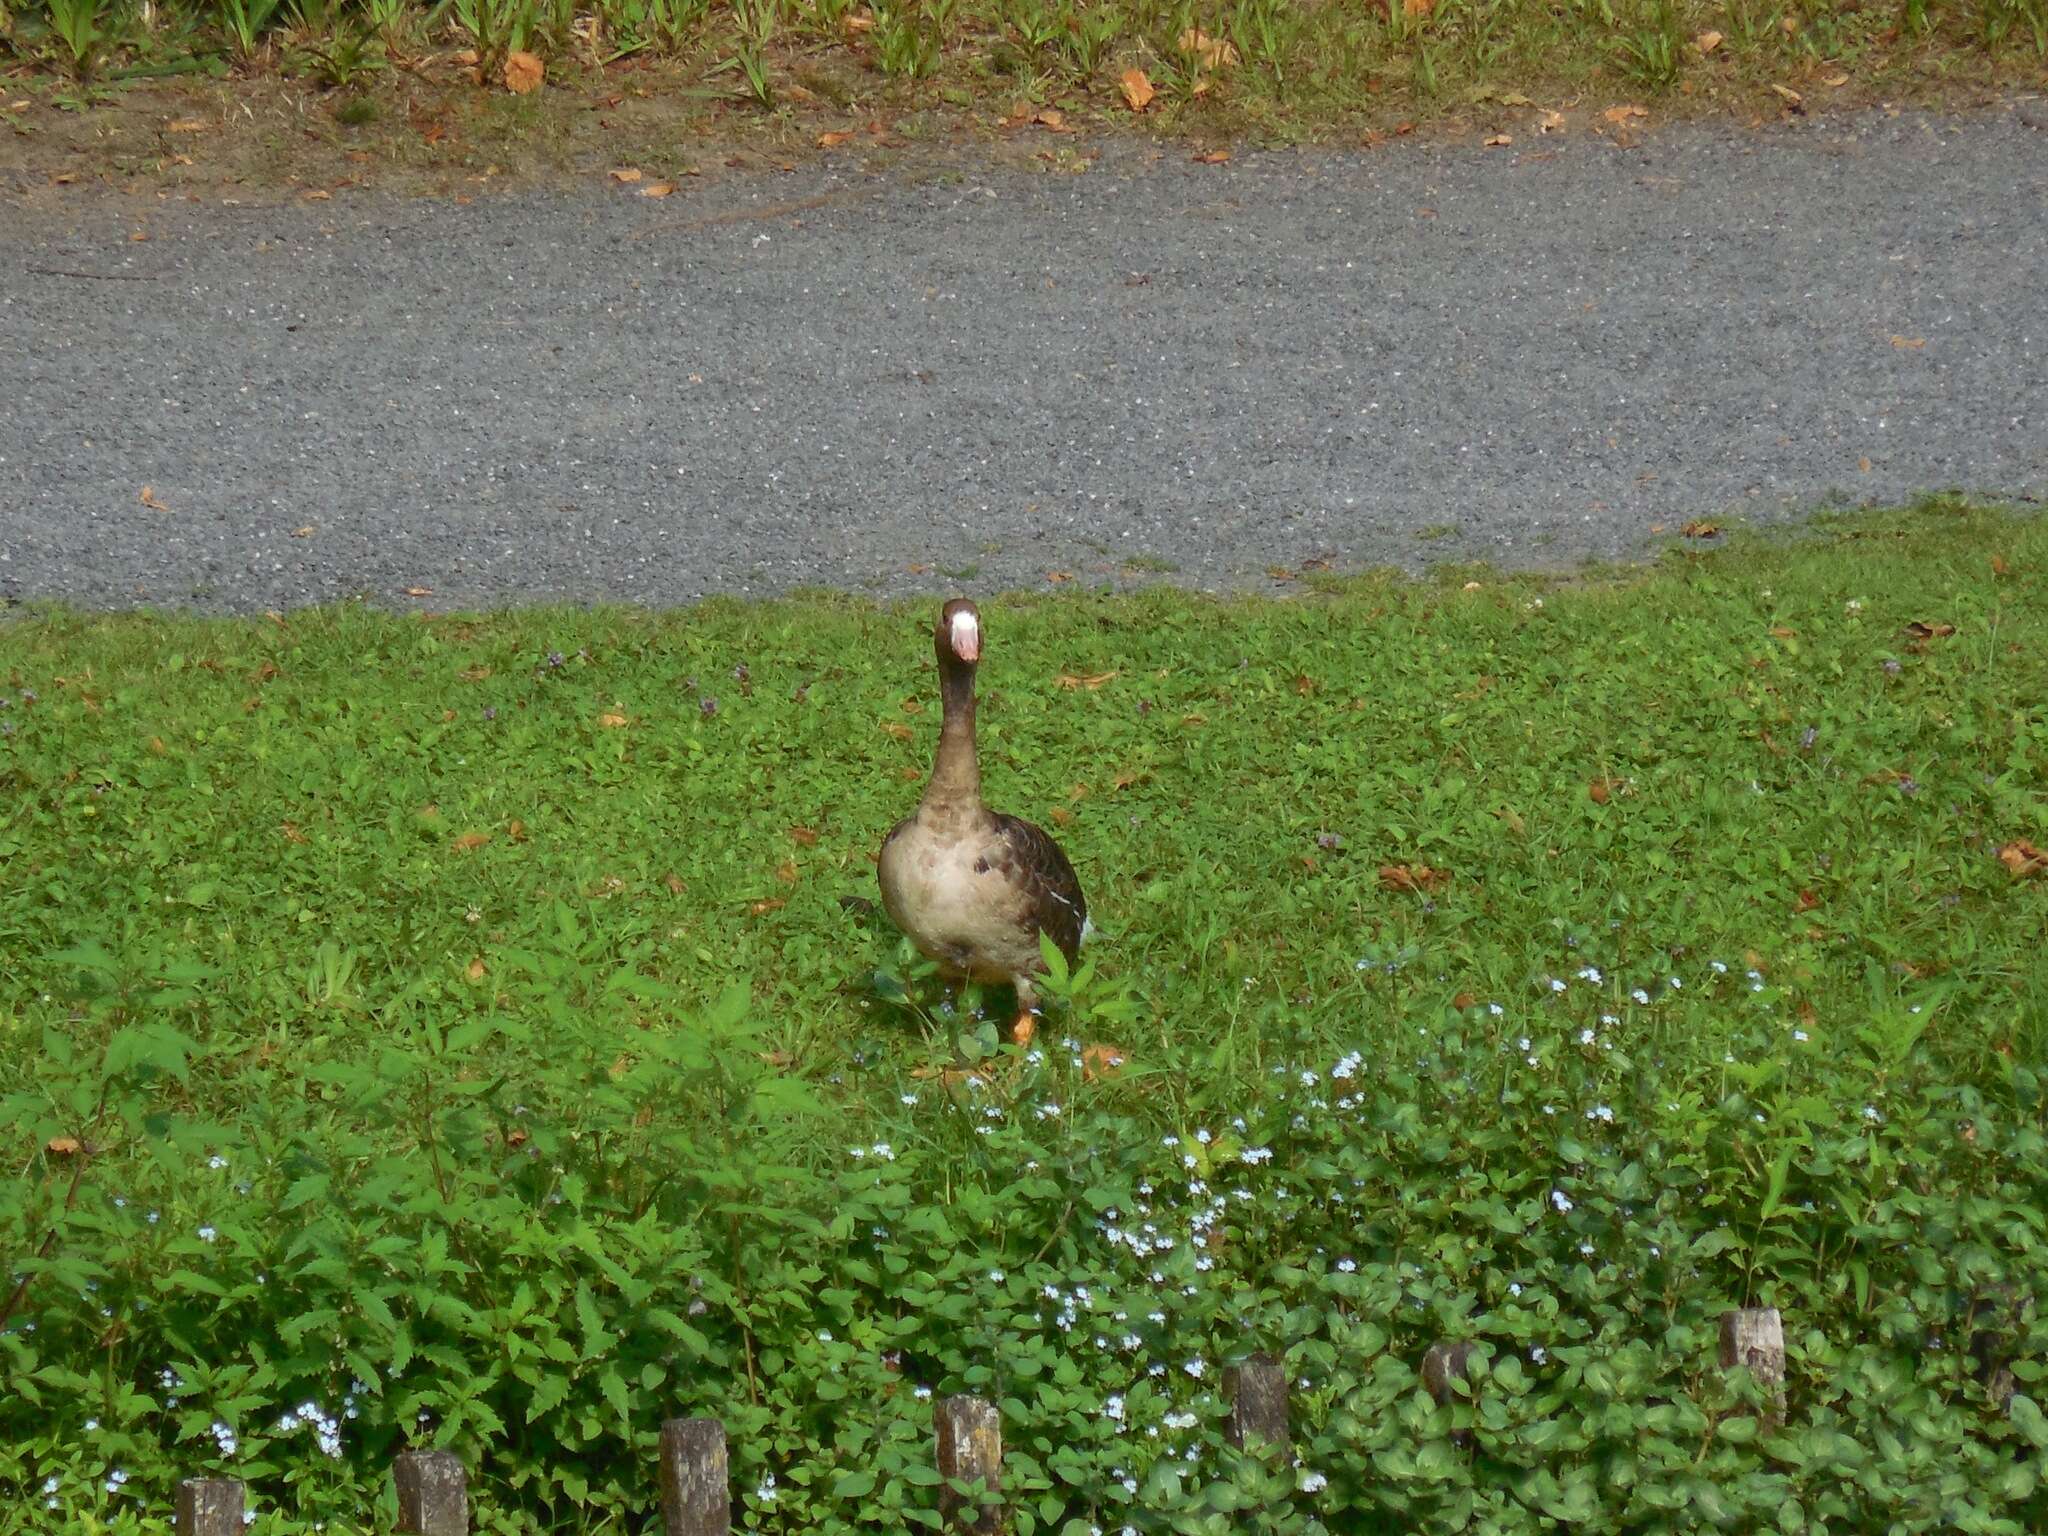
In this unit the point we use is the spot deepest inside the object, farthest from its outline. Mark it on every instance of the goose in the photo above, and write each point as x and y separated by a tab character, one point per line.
974	888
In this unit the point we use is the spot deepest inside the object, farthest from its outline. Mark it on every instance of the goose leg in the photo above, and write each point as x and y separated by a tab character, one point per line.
1025	1025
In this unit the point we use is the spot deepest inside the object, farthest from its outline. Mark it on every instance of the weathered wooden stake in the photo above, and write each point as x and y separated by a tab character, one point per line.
209	1506
1443	1364
1755	1337
433	1494
696	1493
1257	1390
970	1436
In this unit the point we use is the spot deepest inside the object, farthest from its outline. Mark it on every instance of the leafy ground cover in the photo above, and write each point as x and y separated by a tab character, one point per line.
237	84
473	1031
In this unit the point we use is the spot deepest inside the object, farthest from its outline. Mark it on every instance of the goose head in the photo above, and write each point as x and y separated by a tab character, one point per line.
958	633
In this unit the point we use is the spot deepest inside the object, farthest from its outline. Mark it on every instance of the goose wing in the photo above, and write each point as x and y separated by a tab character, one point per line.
1042	876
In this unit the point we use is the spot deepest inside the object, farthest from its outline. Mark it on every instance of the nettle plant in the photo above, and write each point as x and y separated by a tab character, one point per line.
529	1238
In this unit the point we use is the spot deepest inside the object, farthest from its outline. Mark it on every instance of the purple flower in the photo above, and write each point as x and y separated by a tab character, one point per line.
490	711
1891	666
708	705
556	659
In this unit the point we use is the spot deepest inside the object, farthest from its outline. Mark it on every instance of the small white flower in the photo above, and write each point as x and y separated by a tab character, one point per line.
1586	1036
884	1151
1799	1034
920	1393
1536	1353
216	1161
1640	995
1556	985
1256	1155
207	1234
1195	1367
1313	1482
1347	1266
1561	1200
1495	1009
996	1277
766	1491
909	1098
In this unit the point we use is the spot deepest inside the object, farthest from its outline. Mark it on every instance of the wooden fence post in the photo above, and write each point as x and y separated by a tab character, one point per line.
433	1494
970	1436
1443	1363
1257	1389
1755	1337
209	1506
696	1491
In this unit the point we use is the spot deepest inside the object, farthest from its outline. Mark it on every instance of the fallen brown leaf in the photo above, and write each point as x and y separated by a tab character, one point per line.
834	139
1805	902
523	72
1701	530
1909	343
611	720
1137	89
897	729
1623	113
2022	859
1058	576
1100	1061
1413	877
63	1146
1051	119
675	883
1707	42
763	908
658	189
1213	157
1786	91
148	499
1415	10
1835	80
1863	465
1921	631
317	195
1062	816
626	175
1600	791
1551	122
1213	52
291	832
476	971
419	591
516	830
469	842
304	533
1090	681
786	872
859	22
1500	141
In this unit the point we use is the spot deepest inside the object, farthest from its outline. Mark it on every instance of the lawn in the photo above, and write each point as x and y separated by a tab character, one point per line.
479	1031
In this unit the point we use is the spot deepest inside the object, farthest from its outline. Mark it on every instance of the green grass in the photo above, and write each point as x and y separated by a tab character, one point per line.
520	974
1267	67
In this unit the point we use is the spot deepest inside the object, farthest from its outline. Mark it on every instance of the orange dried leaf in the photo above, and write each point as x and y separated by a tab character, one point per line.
523	72
1099	1061
1059	576
291	831
1701	530
148	499
898	729
675	884
469	842
1089	680
187	125
63	1146
1051	118
1909	343
1500	141
1707	42
763	908
658	189
626	175
1921	630
1415	10
834	139
1413	877
419	591
1213	52
1137	89
476	971
786	871
2022	859
1062	816
1551	122
611	720
1602	790
516	830
803	837
1623	113
1213	157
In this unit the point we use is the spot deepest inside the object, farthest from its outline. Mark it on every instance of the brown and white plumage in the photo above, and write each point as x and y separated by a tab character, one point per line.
971	887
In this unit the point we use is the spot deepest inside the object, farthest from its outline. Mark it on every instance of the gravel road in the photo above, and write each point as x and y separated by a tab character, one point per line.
897	381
